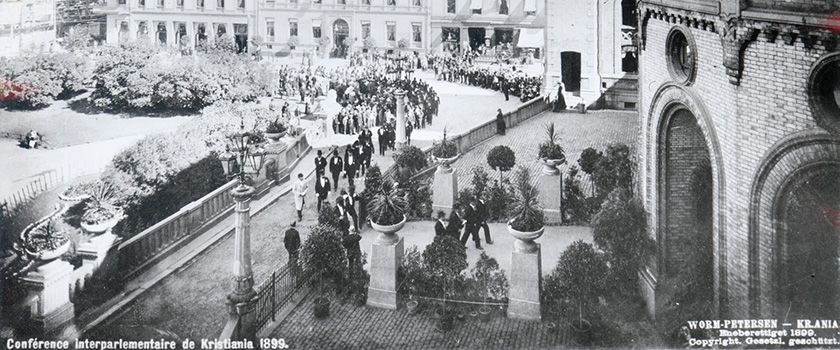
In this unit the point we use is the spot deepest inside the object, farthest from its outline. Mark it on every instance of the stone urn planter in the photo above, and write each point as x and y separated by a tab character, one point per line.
274	137
582	331
49	254
387	233
550	166
444	319
100	226
444	164
525	240
485	313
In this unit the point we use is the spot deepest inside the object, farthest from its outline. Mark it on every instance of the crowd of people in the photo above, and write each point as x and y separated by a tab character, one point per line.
510	81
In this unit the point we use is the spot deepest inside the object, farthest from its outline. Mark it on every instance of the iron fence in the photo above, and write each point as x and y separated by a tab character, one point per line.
278	290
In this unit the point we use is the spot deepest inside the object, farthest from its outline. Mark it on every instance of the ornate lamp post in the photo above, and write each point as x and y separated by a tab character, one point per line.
242	301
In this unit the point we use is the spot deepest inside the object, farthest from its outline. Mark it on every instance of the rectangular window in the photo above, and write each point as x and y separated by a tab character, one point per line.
475	6
179	3
241	4
220	4
316	29
391	29
530	7
121	2
417	3
392	2
450	6
269	29
365	2
342	2
293	28
503	7
199	4
416	33
141	3
365	30
160	3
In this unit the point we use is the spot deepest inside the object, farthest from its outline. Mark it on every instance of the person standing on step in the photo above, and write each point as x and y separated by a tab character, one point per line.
292	242
336	166
299	191
483	214
322	189
472	225
500	123
320	164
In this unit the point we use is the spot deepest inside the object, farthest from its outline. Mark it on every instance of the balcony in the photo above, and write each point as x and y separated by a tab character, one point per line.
629	39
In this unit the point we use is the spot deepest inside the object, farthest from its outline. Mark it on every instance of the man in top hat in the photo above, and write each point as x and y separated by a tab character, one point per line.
322	189
336	166
320	164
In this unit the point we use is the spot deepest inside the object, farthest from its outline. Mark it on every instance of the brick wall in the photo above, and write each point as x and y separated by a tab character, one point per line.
742	124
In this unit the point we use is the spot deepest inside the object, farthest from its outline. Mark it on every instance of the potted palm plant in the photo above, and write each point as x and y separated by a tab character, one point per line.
528	222
445	152
387	209
550	153
44	241
325	259
101	213
275	130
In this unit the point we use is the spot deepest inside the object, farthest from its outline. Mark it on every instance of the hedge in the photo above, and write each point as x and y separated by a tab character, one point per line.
32	82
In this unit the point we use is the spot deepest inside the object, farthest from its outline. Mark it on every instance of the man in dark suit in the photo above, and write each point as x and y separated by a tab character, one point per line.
348	202
440	228
322	189
472	225
383	140
320	164
366	154
483	214
336	166
455	223
351	160
292	242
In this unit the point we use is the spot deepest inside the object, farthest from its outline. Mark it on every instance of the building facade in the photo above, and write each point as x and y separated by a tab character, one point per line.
26	25
473	23
347	23
591	48
740	155
344	23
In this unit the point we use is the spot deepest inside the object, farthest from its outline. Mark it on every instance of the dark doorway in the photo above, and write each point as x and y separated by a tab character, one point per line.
340	32
161	33
451	38
503	36
476	37
570	63
240	31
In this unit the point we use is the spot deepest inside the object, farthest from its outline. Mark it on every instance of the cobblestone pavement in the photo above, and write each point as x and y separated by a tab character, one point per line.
576	132
354	327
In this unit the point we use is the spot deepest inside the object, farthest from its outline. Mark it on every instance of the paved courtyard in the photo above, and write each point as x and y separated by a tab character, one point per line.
352	327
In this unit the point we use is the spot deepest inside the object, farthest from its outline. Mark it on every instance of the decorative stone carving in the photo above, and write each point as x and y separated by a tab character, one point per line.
770	33
734	39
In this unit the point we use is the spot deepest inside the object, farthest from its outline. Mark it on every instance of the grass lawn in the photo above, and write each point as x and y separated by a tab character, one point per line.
62	126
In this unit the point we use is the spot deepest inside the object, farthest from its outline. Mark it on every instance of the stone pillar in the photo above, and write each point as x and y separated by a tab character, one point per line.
242	301
94	251
550	189
445	189
385	258
49	294
525	274
400	142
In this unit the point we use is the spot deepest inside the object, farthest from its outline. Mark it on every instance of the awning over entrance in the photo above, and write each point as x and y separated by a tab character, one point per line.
475	5
531	37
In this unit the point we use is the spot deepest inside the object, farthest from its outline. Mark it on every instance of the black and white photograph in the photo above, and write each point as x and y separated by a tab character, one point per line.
419	174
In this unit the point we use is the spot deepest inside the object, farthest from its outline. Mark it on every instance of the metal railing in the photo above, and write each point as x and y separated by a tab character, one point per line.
278	290
38	184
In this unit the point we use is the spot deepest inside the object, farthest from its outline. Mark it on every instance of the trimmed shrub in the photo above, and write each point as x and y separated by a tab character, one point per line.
589	159
614	170
33	82
501	158
411	158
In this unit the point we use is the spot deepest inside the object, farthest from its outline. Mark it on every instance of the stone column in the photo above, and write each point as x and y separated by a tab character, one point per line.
445	189
400	142
242	301
525	274
49	295
385	258
550	189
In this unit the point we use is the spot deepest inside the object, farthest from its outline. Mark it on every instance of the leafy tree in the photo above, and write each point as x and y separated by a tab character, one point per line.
33	82
589	159
479	180
445	258
501	158
323	255
577	208
489	280
614	170
620	229
411	158
79	38
578	279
